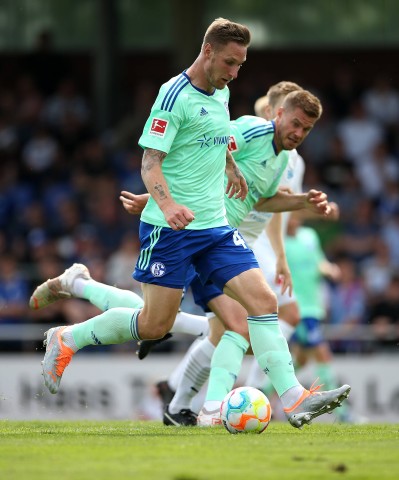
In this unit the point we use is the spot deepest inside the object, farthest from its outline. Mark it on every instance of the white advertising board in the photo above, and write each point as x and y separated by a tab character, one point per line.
115	386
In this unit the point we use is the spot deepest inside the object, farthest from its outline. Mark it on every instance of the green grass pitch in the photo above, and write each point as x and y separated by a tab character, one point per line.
148	450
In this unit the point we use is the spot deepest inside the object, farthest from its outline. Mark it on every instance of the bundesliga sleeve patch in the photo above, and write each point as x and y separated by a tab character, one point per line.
232	144
158	127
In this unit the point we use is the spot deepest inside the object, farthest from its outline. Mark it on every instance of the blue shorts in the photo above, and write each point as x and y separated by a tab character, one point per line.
167	256
308	333
203	294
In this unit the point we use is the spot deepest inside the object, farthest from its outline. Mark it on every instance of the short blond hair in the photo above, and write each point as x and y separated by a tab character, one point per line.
260	105
274	96
304	100
222	31
280	90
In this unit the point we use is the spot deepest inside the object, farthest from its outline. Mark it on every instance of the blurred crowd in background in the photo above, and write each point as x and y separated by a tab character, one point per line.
60	181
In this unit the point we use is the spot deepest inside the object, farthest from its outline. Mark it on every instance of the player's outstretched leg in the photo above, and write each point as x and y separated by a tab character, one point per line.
312	404
113	327
59	287
56	359
76	282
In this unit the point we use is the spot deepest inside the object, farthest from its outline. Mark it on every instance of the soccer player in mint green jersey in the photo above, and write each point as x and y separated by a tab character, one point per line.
310	267
180	237
257	147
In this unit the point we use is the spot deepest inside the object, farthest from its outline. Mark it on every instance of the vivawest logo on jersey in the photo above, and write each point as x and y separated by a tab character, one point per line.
158	127
205	141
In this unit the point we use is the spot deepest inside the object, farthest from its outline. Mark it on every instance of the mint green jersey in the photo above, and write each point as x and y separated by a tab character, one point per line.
304	254
252	146
192	127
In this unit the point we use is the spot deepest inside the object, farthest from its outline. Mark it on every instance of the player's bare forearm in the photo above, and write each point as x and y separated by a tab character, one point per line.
153	178
275	235
313	200
177	216
281	202
236	184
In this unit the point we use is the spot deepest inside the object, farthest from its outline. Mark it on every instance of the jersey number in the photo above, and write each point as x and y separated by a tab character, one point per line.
238	240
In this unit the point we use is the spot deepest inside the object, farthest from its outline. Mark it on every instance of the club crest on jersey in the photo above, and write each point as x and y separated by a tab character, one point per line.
232	144
158	269
158	127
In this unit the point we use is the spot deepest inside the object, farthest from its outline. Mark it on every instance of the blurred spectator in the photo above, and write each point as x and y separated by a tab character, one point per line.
336	170
8	104
359	133
29	107
359	234
40	153
388	203
316	149
390	234
8	136
377	167
343	91
93	160
384	317
125	134
377	271
347	307
87	244
66	105
105	212
381	100
121	263
14	296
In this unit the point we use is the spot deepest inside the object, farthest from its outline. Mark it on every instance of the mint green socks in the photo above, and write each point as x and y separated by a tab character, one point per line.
117	325
225	366
271	351
106	297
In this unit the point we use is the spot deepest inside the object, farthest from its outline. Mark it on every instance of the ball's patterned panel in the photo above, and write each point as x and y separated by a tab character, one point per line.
245	409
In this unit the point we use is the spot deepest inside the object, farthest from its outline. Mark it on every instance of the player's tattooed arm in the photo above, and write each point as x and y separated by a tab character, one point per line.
177	216
151	172
236	184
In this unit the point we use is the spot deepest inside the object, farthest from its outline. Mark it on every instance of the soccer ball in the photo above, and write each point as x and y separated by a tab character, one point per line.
245	409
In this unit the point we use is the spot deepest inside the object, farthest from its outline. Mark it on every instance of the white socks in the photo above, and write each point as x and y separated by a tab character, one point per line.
192	324
194	376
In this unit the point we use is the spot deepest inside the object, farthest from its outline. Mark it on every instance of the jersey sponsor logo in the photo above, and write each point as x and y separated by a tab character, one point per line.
208	141
204	141
203	112
224	140
158	127
233	147
158	269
